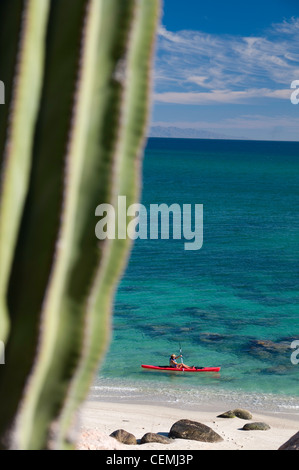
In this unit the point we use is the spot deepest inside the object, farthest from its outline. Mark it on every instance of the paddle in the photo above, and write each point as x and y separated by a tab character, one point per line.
181	354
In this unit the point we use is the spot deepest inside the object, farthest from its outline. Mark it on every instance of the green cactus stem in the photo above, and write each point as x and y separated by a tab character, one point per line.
22	31
127	160
87	150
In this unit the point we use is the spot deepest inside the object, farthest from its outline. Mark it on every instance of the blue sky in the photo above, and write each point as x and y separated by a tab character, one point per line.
227	68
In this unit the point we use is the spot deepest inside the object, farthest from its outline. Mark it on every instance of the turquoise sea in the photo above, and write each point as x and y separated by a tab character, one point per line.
233	303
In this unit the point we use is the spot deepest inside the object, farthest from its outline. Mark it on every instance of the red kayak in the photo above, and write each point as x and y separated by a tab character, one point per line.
174	369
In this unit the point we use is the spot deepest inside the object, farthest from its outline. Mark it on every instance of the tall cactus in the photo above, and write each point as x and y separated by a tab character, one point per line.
83	150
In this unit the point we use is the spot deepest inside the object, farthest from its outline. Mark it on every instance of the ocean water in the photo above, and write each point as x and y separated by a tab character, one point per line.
234	302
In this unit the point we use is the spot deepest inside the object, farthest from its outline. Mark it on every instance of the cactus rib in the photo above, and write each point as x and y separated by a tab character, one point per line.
97	185
129	146
74	159
23	78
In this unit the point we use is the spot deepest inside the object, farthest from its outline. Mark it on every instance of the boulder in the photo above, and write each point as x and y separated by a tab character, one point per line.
256	427
227	414
124	437
242	414
193	430
153	437
292	443
237	413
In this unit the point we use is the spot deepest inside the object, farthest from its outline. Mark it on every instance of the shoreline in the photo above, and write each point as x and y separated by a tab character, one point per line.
209	407
190	396
98	419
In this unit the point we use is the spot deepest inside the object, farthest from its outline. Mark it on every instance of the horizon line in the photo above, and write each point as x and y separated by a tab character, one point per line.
222	138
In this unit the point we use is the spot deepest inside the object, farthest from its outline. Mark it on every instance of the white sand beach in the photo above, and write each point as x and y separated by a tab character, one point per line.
99	419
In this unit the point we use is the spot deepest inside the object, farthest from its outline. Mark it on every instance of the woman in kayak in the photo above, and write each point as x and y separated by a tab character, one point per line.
173	362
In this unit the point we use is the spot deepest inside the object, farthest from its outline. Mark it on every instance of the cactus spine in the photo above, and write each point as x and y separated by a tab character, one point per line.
87	145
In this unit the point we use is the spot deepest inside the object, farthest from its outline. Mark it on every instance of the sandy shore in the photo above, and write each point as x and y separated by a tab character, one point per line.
99	419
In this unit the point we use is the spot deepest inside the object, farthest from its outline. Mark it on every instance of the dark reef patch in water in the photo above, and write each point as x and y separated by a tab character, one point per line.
268	350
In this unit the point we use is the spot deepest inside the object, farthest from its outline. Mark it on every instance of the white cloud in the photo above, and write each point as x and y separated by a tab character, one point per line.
220	96
173	37
193	67
245	121
288	28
